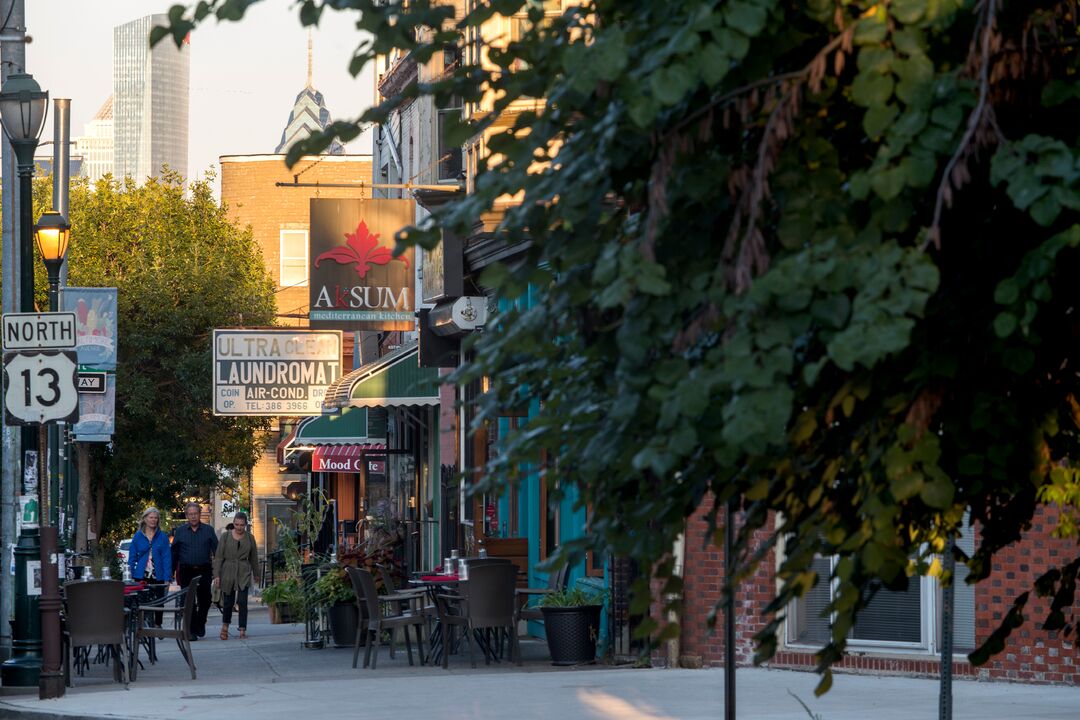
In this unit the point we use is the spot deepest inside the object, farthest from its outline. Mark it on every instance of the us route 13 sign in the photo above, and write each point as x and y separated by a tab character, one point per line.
41	387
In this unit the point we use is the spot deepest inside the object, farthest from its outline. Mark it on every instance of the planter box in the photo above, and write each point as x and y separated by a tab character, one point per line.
572	633
280	613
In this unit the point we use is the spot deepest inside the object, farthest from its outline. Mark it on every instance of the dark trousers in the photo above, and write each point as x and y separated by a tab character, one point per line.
184	575
238	596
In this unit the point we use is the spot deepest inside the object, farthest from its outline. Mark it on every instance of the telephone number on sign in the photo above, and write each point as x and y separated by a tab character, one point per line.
271	406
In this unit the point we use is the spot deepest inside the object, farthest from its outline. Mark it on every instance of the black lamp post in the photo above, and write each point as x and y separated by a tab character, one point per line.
51	234
23	105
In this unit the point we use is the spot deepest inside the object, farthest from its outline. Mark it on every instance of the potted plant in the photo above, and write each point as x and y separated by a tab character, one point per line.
334	592
572	624
284	598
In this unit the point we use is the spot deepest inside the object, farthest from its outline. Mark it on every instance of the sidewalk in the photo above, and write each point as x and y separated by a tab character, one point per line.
271	677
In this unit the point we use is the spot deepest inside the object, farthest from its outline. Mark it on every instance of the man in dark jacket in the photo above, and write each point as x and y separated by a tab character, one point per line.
193	548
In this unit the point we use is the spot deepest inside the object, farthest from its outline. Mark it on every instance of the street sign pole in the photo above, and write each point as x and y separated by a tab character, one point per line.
40	387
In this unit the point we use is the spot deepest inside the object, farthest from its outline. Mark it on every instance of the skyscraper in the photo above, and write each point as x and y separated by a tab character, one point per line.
150	101
96	143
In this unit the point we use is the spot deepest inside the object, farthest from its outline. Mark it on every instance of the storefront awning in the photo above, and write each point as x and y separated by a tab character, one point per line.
352	425
344	458
394	379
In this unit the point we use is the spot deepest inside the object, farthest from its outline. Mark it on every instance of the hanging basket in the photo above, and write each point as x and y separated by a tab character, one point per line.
572	633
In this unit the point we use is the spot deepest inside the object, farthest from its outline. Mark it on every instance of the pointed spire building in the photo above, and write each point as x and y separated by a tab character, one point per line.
308	114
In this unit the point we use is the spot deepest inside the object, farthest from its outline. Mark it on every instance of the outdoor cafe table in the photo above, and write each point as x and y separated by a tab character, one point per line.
435	584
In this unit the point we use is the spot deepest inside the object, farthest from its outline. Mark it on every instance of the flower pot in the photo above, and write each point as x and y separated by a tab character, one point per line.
344	617
572	633
281	613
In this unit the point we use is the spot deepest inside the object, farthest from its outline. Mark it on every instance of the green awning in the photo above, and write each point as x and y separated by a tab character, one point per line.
353	425
394	379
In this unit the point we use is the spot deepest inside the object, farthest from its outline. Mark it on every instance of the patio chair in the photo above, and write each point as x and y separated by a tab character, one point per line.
416	595
556	582
370	628
181	630
95	616
486	603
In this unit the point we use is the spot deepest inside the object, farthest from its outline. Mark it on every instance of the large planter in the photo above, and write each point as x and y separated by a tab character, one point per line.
572	633
281	613
344	617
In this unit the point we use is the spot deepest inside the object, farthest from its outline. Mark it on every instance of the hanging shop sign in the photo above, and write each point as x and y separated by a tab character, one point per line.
356	281
274	372
95	325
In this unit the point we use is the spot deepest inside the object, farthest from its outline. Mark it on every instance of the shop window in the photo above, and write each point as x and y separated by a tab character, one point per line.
294	258
907	619
549	511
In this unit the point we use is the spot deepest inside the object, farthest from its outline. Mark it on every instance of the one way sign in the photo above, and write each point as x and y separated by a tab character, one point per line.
92	382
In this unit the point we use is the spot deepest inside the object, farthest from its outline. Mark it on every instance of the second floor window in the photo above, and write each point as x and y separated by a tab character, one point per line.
294	258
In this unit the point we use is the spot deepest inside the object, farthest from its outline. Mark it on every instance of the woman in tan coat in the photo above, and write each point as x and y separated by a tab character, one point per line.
235	564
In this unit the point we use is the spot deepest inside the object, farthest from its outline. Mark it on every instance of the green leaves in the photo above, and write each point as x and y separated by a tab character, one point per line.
1041	174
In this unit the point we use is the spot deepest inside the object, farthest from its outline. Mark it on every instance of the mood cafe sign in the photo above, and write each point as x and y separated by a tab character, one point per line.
344	459
274	372
356	281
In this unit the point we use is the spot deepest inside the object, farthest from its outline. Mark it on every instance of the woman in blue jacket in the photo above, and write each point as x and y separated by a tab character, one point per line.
150	557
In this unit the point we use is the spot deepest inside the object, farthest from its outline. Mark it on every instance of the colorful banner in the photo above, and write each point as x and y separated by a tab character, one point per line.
97	414
356	283
95	324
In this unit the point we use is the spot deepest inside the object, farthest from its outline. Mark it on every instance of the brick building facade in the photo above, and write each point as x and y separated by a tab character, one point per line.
1031	654
278	217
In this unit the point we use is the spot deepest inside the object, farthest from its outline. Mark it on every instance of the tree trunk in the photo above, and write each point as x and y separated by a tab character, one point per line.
99	508
82	458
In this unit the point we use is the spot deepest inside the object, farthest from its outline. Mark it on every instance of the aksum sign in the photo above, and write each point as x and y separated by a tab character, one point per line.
356	283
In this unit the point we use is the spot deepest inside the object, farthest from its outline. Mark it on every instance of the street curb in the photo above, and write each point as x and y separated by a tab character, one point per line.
22	713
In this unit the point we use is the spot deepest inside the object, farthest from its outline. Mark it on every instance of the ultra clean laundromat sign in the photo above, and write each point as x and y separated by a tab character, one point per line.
274	372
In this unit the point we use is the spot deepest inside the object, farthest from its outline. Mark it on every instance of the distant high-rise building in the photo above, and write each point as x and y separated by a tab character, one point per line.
96	144
309	114
150	101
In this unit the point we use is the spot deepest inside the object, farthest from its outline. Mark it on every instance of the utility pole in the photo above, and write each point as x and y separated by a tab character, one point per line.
12	60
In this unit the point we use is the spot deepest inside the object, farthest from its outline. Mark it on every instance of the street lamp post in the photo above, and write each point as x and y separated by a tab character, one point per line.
52	234
23	105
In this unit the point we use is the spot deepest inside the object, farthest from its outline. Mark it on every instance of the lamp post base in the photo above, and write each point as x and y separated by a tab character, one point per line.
23	670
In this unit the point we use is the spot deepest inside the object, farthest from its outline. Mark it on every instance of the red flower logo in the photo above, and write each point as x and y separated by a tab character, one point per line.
361	249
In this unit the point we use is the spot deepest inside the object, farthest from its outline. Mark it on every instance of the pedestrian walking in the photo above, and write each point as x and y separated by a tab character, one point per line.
149	558
235	565
193	548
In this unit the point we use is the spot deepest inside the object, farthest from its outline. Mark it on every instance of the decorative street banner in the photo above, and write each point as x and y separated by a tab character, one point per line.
95	324
274	372
356	282
97	414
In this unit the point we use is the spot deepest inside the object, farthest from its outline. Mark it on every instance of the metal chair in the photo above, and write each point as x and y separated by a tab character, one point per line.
486	603
181	631
95	616
556	583
371	627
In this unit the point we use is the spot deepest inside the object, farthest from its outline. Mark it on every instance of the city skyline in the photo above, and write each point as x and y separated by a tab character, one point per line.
244	78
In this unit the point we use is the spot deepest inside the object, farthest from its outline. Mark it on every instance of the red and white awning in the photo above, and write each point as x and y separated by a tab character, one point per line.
344	458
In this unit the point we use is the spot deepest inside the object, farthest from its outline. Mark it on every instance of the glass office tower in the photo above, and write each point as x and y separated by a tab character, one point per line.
150	101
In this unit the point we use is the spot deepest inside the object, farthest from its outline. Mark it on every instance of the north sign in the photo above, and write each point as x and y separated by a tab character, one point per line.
39	331
41	387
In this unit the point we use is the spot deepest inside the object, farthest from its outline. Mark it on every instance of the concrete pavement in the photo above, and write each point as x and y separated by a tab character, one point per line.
271	677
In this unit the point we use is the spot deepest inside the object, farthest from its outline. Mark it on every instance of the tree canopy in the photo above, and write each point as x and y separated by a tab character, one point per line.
181	268
811	255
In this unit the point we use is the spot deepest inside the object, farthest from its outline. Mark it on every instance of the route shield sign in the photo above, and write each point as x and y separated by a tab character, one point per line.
41	387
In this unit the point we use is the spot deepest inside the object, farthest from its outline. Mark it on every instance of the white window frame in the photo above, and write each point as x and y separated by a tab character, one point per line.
929	622
292	259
